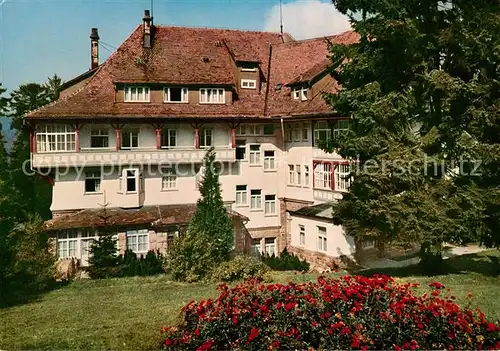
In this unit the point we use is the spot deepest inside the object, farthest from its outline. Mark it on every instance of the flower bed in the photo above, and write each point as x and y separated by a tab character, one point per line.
350	313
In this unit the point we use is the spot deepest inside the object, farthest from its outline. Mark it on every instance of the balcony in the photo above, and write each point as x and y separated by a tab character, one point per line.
108	157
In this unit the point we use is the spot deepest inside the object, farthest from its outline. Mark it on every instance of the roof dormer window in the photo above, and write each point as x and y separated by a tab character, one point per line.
212	96
175	95
248	83
248	66
136	94
299	93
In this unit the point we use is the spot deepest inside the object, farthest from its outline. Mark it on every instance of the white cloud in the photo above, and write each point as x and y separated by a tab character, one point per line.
307	19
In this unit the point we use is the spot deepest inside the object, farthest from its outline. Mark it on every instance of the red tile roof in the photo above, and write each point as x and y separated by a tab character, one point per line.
117	217
179	56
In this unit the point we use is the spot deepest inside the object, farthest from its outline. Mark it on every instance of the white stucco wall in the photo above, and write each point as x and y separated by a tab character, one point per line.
337	242
69	194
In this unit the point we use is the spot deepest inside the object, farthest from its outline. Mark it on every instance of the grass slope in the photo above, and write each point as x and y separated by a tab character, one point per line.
128	313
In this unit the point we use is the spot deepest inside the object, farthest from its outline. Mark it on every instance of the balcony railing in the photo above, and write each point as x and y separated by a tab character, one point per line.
110	157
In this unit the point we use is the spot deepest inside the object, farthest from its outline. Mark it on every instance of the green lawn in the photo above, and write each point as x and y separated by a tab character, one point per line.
128	313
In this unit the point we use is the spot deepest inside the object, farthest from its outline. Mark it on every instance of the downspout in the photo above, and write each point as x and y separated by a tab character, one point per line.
283	133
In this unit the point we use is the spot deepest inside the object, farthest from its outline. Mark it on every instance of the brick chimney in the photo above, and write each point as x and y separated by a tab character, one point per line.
147	29
94	49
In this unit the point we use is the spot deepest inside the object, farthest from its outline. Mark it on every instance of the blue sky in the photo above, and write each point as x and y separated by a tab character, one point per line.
41	37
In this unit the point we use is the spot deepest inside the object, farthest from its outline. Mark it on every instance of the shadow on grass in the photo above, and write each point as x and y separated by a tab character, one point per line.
21	294
485	263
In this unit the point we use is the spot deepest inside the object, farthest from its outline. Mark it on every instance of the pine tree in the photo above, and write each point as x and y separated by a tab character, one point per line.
31	193
53	87
209	236
103	261
423	92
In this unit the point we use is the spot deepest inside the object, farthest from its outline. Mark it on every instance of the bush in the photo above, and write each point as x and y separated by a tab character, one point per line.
354	312
240	268
130	265
33	268
286	262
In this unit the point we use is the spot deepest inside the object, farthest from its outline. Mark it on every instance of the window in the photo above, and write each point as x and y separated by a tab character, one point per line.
255	199
92	182
268	129
255	129
175	95
67	245
342	177
99	138
136	94
305	131
291	174
322	131
323	176
270	246
299	93
340	127
248	67
241	195
169	179
241	149
206	139
255	154
255	248
367	244
138	240
241	130
212	96
270	204
306	175
172	235
322	241
55	137
248	83
269	160
302	235
168	138
129	139
297	132
298	174
131	180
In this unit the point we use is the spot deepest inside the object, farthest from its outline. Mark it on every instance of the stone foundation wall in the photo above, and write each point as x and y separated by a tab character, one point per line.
318	261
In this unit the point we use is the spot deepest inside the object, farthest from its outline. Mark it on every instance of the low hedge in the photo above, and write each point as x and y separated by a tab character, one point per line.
286	262
350	313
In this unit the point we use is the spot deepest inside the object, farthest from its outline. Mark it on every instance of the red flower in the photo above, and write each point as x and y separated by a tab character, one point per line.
168	342
197	332
356	342
274	345
491	327
345	331
436	285
254	332
314	324
205	346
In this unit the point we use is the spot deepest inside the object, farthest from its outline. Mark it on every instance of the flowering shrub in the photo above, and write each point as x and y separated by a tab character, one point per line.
350	313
